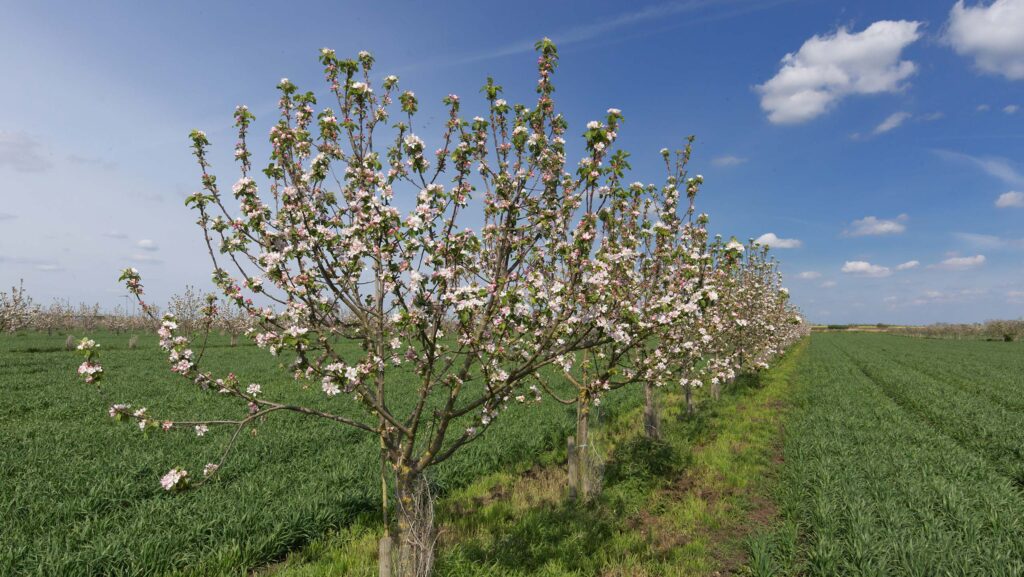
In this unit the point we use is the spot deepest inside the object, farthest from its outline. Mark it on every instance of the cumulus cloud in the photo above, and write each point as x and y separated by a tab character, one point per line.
147	244
864	268
1012	199
829	284
809	275
828	68
991	35
727	160
962	262
21	152
983	108
908	265
873	226
772	240
1011	108
114	234
892	121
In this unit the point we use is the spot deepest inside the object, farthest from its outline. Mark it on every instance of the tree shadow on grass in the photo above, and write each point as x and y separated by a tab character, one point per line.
745	382
569	535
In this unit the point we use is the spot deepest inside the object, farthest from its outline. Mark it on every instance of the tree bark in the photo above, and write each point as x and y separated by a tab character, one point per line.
652	427
413	542
584	460
573	470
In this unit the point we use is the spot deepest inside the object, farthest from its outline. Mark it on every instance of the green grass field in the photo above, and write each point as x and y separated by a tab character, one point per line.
857	454
902	457
79	493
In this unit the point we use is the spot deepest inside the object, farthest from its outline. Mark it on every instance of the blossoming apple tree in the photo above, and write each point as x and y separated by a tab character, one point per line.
364	255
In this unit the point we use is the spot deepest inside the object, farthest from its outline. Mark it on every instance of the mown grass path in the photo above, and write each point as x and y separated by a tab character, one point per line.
902	457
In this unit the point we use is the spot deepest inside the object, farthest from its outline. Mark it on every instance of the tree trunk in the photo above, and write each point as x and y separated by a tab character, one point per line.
652	427
413	543
234	339
384	555
586	485
689	399
573	471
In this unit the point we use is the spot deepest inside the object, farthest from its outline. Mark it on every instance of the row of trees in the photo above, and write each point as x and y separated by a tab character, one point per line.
993	330
18	312
489	267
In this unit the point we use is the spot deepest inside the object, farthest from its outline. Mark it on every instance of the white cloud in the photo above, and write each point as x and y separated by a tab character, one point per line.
1015	297
983	108
21	152
829	284
962	262
149	258
828	68
991	35
809	275
872	226
147	244
864	268
989	241
935	296
1011	108
727	160
892	121
92	161
1012	199
772	240
114	234
908	265
7	216
996	167
615	25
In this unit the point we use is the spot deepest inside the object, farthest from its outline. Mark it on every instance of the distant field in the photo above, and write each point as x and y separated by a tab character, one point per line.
79	493
902	457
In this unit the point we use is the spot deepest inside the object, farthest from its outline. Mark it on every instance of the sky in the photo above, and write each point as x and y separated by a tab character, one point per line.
877	146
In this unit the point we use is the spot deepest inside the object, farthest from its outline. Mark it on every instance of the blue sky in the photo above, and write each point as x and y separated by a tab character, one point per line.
863	136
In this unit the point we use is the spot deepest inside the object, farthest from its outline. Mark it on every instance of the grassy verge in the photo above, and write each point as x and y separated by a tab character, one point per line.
683	506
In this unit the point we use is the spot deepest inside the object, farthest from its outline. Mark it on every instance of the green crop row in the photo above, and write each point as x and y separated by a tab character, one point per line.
894	465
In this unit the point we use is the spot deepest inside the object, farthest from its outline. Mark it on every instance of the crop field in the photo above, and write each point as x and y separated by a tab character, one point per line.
79	492
902	457
899	456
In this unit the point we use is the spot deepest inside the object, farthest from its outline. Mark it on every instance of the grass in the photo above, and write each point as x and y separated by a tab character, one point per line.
683	506
902	457
899	456
79	493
